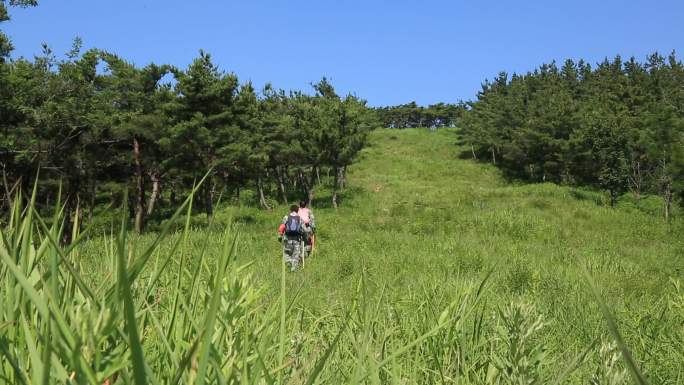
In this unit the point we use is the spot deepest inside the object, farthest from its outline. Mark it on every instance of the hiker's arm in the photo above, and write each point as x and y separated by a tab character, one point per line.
281	228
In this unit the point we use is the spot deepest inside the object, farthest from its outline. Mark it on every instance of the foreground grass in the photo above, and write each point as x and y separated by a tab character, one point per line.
435	270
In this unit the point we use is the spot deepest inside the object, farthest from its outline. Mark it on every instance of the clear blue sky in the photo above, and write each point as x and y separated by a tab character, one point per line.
388	52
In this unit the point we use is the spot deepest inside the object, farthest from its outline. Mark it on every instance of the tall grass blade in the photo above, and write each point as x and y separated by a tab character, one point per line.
18	373
637	376
320	364
36	299
186	361
213	309
141	261
576	362
281	342
137	356
36	362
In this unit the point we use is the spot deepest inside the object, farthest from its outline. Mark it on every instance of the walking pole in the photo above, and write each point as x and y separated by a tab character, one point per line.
302	251
313	243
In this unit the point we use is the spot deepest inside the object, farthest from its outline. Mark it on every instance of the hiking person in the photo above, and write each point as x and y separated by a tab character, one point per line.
291	234
309	225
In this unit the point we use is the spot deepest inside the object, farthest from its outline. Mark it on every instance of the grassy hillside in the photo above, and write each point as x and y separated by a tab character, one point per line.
401	271
416	215
422	224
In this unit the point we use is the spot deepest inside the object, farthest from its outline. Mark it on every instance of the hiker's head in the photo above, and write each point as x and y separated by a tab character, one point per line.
294	208
302	204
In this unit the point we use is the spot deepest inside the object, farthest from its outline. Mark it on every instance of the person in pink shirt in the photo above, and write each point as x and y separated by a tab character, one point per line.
307	217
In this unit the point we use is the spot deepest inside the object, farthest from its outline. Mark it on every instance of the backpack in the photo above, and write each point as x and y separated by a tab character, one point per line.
293	226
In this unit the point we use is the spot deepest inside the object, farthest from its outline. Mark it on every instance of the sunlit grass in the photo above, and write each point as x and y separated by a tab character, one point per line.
434	270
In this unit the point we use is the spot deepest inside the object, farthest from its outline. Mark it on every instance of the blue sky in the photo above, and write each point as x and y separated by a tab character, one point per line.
388	52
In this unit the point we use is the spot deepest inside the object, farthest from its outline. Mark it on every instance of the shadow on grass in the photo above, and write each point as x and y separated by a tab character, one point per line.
587	196
468	155
344	198
244	219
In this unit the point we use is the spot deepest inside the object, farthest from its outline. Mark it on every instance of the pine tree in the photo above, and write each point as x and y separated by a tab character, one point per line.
203	117
5	43
617	126
140	128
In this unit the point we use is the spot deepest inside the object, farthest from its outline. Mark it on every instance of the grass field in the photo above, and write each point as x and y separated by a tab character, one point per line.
434	270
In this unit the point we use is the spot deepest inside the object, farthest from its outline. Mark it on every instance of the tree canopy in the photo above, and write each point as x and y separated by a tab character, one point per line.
411	115
97	126
618	126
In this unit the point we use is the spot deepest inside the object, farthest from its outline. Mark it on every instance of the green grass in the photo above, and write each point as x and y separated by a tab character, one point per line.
434	270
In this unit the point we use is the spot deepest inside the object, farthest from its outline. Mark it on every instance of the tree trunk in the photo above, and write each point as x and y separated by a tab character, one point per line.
613	197
8	191
665	184
156	190
78	217
318	175
667	197
307	184
237	194
636	180
91	204
280	176
472	150
130	205
68	219
310	187
139	186
76	220
343	178
262	197
310	197
113	198
493	155
209	199
302	182
336	185
71	211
